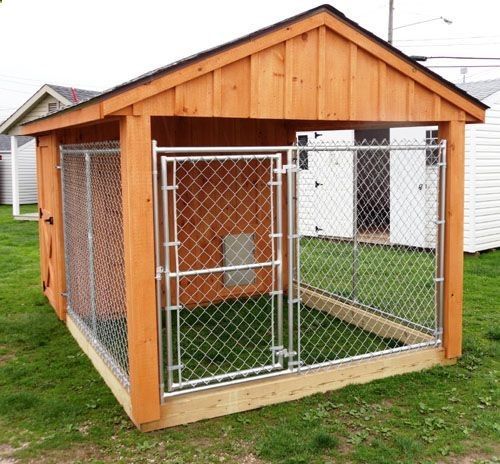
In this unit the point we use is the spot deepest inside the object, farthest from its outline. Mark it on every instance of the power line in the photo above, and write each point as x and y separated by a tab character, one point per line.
466	66
17	91
460	58
20	78
454	45
429	39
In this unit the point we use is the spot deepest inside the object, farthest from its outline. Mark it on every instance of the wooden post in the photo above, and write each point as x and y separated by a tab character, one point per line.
454	133
14	175
138	228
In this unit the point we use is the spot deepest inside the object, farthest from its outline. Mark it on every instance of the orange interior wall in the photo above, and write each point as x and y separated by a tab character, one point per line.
207	192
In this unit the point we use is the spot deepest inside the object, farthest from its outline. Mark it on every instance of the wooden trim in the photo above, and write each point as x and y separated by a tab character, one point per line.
217	83
195	406
454	133
382	90
67	118
410	100
353	63
138	233
120	393
322	73
370	322
288	104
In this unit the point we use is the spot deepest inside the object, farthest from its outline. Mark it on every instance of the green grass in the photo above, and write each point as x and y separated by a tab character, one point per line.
55	408
396	279
237	335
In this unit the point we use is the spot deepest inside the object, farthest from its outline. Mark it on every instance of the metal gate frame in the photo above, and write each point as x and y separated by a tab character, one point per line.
164	273
289	171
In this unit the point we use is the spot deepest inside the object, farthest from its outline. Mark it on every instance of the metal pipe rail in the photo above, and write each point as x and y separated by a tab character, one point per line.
213	270
265	149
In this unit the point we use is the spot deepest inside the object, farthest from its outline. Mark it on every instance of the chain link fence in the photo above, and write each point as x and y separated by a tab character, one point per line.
310	257
93	237
368	274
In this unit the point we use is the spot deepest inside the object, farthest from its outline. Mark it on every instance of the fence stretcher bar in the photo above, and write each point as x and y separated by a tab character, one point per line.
223	269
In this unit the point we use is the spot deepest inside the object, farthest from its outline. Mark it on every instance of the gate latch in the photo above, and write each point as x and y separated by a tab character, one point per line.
280	351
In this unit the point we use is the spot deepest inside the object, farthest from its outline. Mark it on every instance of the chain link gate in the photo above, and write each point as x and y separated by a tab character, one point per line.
362	226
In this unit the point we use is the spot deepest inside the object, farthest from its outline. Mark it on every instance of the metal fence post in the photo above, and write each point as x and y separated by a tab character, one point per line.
90	237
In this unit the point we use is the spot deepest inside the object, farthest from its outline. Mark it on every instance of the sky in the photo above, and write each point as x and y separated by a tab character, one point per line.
97	44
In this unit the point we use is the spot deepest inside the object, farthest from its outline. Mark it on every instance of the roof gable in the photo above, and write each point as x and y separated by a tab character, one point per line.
64	95
317	65
318	71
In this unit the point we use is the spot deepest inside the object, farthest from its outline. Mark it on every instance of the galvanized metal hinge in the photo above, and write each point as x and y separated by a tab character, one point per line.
159	272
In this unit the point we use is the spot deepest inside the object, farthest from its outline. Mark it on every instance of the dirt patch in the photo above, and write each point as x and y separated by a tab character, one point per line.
82	453
6	452
249	459
472	458
5	358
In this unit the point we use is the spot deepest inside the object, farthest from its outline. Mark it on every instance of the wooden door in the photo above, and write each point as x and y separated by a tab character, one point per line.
50	228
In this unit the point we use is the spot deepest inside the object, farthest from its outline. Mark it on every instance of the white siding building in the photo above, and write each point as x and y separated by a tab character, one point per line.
482	177
17	153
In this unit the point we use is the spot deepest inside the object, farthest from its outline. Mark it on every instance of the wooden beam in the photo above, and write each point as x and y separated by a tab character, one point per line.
67	118
121	394
365	320
454	133
195	406
136	168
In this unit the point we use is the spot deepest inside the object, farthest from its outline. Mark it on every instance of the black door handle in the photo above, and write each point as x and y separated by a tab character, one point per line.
50	220
317	184
318	229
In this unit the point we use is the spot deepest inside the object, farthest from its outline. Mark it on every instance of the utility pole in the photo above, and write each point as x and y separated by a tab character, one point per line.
391	16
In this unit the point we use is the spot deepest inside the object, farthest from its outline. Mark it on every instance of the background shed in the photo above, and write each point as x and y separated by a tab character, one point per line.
18	164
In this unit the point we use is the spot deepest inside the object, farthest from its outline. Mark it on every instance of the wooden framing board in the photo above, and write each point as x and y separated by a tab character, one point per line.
365	320
121	394
454	133
205	404
140	283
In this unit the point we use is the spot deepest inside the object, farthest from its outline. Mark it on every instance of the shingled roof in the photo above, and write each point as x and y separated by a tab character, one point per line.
481	89
73	94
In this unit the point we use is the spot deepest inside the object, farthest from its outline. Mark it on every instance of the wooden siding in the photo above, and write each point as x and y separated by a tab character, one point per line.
220	132
317	75
27	175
